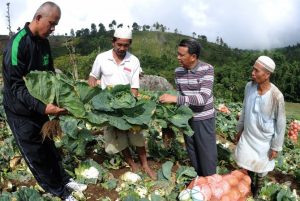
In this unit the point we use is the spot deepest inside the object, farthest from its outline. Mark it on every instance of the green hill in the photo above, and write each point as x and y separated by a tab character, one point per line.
157	52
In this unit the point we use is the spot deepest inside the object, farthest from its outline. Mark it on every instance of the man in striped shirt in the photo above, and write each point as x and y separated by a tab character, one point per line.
194	83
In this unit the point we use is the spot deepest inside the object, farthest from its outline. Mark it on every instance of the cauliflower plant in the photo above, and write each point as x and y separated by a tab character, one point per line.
89	171
130	177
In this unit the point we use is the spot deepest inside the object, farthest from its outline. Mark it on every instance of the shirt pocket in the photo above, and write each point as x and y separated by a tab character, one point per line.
107	71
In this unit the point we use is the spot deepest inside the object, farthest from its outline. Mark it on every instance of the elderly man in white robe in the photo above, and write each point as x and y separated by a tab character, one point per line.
261	126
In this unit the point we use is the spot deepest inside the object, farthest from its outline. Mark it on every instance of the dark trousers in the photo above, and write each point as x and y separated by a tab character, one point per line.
202	148
42	158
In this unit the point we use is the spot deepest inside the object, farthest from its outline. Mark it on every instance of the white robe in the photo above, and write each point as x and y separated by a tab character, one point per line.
263	124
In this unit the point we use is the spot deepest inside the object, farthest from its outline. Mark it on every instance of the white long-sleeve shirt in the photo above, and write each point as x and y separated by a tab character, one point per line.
262	123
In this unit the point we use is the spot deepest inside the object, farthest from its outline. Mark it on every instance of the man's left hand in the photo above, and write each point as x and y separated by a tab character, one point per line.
168	98
272	154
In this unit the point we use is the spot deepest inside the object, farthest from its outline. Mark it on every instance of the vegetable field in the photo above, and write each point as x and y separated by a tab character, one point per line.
108	177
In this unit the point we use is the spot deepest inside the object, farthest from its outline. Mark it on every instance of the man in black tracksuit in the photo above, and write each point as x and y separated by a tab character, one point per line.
29	50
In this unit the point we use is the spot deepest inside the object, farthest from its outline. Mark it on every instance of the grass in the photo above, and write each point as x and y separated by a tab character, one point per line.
292	110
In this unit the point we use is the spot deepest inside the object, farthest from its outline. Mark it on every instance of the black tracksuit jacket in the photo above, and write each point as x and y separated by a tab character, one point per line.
24	53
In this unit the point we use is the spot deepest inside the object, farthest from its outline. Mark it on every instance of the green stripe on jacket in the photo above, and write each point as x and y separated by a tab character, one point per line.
15	47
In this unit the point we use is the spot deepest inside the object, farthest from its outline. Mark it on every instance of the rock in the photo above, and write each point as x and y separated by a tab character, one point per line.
154	83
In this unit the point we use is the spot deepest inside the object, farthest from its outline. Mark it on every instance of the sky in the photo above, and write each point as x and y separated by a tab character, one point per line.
243	24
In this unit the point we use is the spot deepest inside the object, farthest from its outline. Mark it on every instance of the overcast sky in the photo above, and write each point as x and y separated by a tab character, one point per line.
244	24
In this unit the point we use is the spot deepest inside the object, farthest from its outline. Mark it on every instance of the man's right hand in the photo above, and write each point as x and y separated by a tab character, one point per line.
52	109
93	81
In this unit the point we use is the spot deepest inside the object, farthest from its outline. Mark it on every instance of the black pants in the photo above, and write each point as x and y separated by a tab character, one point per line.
202	147
42	158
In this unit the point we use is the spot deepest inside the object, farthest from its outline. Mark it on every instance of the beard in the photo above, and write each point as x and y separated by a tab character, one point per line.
121	54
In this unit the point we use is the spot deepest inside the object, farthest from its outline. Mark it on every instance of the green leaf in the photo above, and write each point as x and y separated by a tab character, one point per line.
110	184
85	92
118	122
96	118
102	101
167	169
140	114
78	145
69	127
41	85
182	116
155	197
285	195
5	196
185	174
28	194
67	97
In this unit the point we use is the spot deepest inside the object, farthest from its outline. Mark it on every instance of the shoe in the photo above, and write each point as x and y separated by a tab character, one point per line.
75	186
71	198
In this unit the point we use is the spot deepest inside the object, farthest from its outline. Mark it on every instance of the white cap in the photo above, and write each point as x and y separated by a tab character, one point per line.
267	63
123	32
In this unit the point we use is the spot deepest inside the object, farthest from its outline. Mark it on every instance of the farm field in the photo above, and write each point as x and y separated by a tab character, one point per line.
292	110
84	158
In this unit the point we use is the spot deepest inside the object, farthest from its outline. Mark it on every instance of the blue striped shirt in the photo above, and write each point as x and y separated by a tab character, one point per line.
195	88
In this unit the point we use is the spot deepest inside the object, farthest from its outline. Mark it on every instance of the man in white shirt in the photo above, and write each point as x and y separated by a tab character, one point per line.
118	66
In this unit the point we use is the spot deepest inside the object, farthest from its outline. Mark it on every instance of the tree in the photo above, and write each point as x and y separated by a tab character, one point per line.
194	34
144	28
120	25
221	41
78	33
162	28
101	29
71	48
112	25
85	32
135	26
93	29
218	40
72	33
10	33
176	31
203	38
156	26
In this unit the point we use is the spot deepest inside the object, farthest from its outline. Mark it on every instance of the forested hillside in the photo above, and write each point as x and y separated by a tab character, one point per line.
157	53
81	142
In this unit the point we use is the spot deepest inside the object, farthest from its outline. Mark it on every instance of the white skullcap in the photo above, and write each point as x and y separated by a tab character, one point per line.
123	33
267	63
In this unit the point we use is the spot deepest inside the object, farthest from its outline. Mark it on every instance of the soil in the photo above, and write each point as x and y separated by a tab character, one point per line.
288	179
94	192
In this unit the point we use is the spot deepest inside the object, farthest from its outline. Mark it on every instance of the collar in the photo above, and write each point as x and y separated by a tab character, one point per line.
26	27
194	70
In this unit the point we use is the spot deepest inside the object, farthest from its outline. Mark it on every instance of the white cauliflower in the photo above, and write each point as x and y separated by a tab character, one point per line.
141	191
130	177
91	173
